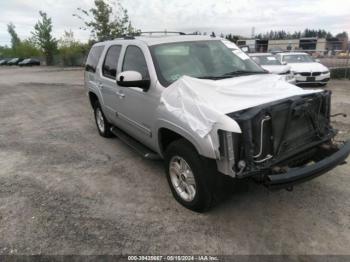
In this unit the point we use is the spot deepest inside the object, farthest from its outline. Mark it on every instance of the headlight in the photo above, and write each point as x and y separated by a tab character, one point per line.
325	72
296	73
289	77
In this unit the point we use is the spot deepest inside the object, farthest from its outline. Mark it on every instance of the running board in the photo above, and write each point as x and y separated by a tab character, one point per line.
134	144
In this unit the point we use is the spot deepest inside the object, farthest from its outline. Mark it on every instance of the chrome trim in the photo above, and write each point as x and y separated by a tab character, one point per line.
264	159
266	118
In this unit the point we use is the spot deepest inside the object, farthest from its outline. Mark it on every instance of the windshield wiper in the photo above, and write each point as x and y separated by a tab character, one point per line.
212	77
243	72
233	74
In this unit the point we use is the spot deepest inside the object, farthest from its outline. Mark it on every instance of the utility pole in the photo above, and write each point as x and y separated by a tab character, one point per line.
253	32
347	68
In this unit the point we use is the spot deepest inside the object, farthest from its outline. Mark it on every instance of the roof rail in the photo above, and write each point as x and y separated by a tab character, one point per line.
165	32
132	35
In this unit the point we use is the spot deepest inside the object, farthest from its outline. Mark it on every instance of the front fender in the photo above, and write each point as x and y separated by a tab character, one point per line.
204	145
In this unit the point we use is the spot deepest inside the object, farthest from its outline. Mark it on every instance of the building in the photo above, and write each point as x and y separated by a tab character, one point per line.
337	44
309	44
283	45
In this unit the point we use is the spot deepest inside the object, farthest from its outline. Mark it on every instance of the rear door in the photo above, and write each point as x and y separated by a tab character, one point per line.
91	78
107	85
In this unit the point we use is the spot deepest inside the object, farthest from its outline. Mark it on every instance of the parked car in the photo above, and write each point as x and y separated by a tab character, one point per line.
271	64
29	62
209	112
3	61
306	69
276	50
14	61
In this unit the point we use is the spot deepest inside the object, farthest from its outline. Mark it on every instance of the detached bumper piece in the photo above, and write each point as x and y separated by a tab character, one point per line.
302	174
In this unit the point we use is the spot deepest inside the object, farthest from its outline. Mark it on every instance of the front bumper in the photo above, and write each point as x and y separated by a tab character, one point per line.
302	174
323	78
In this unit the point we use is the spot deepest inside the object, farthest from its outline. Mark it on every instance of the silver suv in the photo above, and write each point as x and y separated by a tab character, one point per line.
209	111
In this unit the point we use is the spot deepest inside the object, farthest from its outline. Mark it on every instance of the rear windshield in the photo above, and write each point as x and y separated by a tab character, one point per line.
93	58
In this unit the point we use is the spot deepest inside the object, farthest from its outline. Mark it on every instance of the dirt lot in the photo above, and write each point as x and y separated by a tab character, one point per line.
66	190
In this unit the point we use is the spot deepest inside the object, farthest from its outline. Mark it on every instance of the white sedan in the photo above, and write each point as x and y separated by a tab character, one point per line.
306	70
271	64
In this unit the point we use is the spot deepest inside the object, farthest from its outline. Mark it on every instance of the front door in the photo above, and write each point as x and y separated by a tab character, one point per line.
137	108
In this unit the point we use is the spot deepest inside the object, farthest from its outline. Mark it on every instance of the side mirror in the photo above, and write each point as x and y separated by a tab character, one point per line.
132	79
284	62
317	60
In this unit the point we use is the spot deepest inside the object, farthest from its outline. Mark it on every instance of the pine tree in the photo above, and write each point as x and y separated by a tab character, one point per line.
42	35
15	41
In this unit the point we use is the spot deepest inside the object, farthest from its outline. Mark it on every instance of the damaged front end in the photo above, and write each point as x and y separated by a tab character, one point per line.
284	142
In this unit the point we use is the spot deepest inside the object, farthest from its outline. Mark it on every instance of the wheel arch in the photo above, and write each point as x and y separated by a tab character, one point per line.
168	133
93	98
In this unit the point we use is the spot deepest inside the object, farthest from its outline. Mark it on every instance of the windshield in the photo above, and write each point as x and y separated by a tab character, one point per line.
201	59
266	60
298	59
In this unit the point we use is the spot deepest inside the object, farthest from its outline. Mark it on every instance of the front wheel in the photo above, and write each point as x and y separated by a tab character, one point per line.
190	176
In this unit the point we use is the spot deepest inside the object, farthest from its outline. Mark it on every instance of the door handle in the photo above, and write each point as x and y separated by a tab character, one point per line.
121	95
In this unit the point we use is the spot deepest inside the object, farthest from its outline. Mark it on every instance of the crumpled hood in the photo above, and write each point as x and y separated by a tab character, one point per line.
308	67
276	69
201	103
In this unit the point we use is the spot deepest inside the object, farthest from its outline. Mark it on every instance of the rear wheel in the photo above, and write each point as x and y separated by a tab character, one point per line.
190	176
103	126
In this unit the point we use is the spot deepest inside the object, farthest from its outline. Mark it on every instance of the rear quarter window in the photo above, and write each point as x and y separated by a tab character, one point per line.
93	58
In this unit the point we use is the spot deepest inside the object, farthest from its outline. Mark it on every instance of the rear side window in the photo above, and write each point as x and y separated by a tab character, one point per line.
109	68
93	58
134	60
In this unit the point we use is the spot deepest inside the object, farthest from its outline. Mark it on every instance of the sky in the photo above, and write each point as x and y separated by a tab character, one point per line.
221	16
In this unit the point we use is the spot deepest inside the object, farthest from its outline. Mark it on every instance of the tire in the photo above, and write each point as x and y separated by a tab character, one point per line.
200	186
103	126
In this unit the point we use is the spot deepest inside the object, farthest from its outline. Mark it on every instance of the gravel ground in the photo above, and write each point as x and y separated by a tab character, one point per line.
66	190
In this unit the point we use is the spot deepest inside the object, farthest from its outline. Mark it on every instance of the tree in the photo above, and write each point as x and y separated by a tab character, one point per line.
106	21
281	34
342	35
42	35
71	51
14	37
6	51
233	38
27	48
